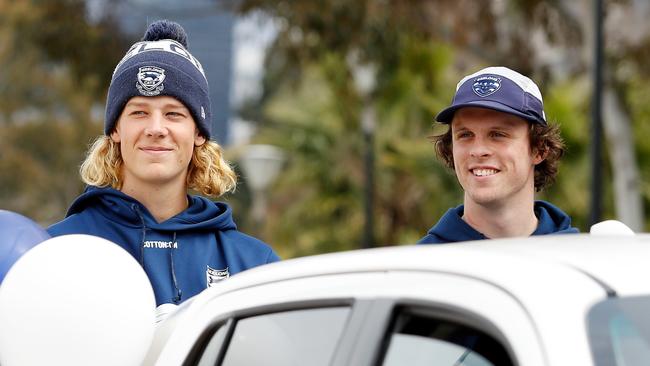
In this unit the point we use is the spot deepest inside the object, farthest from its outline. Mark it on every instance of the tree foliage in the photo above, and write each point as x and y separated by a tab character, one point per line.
56	67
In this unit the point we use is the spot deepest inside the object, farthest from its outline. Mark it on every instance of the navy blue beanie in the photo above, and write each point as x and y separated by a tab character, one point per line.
160	64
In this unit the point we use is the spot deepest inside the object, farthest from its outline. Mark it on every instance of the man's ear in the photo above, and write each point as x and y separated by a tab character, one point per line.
199	139
115	136
539	156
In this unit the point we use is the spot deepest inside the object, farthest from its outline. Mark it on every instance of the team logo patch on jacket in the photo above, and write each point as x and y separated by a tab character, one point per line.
150	80
215	275
486	85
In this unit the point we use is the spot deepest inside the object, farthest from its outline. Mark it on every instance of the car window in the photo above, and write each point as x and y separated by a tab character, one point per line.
211	351
417	339
619	331
290	338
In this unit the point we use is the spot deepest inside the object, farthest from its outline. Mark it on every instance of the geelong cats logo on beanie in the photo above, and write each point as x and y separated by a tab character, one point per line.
150	80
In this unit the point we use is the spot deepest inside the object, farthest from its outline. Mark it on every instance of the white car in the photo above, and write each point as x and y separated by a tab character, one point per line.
561	300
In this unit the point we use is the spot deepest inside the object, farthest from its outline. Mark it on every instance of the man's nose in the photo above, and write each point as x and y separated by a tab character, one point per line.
480	148
155	125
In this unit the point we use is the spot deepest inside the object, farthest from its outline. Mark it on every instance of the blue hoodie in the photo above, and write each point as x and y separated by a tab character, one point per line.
452	228
182	255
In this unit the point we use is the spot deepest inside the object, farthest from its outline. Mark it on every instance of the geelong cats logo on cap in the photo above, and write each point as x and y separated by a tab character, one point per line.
486	85
150	80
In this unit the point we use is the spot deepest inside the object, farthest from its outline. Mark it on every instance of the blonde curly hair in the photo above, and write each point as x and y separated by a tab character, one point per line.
209	173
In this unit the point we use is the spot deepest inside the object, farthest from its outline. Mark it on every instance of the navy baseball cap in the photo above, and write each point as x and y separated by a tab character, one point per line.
498	88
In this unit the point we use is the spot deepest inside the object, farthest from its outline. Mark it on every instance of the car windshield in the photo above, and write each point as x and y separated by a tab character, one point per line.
619	331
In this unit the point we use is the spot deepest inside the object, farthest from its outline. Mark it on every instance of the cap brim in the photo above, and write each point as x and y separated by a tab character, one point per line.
447	114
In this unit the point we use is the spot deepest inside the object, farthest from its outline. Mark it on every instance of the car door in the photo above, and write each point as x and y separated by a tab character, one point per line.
370	318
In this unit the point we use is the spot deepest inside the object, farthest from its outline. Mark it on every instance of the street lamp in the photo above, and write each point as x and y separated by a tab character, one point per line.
261	165
365	78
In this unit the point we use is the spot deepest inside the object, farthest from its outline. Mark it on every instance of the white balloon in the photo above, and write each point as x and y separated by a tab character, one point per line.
76	300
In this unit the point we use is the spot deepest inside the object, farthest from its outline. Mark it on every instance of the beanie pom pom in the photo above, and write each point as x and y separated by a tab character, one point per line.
166	29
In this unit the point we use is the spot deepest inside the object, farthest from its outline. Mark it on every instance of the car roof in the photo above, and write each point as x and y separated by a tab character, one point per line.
617	263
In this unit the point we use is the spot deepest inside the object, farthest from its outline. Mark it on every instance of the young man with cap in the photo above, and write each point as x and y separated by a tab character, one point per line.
502	150
156	147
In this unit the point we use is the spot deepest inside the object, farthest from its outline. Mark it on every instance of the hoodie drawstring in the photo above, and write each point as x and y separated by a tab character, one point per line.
179	293
144	233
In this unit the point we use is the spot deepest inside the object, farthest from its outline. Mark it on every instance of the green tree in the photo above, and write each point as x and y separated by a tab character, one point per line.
56	66
316	203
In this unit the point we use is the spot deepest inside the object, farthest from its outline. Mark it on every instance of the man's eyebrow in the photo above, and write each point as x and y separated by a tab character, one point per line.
135	104
460	128
174	105
504	126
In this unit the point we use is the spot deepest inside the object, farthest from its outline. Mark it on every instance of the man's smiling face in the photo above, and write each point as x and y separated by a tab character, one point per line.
492	156
157	136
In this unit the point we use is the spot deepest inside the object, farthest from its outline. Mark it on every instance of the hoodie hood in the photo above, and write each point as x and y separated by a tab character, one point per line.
552	220
452	228
183	255
201	214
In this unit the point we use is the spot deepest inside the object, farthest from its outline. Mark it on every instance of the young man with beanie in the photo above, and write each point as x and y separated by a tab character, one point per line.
156	147
502	150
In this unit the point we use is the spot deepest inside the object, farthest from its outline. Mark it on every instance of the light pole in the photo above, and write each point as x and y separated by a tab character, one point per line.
597	124
365	77
261	165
